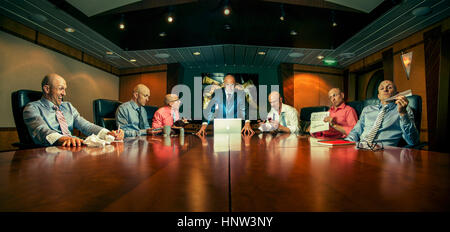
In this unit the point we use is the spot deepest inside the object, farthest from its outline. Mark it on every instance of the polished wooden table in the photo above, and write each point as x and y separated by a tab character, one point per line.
264	172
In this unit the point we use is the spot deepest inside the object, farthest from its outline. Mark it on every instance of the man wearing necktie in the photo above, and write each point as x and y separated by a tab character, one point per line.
51	120
387	122
281	117
131	116
227	102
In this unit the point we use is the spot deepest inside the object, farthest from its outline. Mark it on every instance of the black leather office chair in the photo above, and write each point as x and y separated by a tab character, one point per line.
19	99
105	113
150	112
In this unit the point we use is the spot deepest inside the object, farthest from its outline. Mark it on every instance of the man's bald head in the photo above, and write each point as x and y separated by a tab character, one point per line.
50	80
54	88
386	89
336	97
141	94
275	100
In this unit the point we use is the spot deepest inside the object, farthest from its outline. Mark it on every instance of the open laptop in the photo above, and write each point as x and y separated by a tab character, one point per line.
227	125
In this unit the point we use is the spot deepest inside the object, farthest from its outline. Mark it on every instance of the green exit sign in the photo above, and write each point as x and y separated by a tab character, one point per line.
329	62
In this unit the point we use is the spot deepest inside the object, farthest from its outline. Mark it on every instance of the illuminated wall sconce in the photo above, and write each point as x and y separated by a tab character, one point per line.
406	62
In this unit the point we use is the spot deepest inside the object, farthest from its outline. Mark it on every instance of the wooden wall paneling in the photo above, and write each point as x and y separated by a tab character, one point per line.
17	29
444	96
388	64
157	82
126	86
432	44
287	80
51	43
8	136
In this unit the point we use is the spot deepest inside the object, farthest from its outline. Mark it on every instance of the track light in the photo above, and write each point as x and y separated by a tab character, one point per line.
227	8
283	15
170	15
169	19
122	23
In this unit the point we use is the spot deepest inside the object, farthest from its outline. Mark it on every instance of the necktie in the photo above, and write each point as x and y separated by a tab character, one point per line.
376	126
141	120
283	119
62	121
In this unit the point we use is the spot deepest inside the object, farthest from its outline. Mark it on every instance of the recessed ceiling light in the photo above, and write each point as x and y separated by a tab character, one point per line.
261	53
162	55
196	53
421	11
227	11
282	18
39	17
227	26
334	24
169	19
293	33
347	55
320	57
162	34
69	29
133	60
295	54
122	26
109	52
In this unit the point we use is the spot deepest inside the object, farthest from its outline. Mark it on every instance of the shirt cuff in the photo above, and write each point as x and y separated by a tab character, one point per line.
204	123
102	133
405	120
53	137
143	132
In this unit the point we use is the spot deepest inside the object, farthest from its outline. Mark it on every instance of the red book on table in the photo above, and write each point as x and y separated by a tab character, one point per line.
336	142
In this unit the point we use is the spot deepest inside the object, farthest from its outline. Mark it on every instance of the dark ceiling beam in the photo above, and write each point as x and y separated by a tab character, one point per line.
316	3
147	4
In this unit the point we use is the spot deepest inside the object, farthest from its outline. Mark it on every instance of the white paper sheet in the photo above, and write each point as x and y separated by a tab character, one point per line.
317	123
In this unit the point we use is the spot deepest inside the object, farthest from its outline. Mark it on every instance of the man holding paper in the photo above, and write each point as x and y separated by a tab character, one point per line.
51	120
341	119
388	121
281	117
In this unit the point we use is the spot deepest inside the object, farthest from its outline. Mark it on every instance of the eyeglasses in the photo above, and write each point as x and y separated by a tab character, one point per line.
363	145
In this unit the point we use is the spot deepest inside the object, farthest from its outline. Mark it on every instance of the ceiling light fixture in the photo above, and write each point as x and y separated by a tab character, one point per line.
133	60
295	54
162	34
421	11
109	52
333	19
196	53
162	55
227	8
122	23
261	53
283	15
293	33
69	29
39	17
169	19
320	57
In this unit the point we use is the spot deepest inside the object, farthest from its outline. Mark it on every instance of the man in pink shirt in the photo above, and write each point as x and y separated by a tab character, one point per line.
168	114
342	117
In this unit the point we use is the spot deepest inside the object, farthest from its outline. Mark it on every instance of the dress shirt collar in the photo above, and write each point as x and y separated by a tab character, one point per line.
228	92
134	105
283	108
389	106
341	106
47	103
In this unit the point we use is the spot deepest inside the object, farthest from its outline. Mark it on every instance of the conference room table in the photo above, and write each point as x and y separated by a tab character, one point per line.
225	173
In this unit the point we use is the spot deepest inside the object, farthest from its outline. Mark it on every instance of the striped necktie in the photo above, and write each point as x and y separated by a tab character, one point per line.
62	121
376	126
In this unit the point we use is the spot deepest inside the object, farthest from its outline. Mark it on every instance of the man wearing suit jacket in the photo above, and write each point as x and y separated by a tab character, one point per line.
227	102
51	120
